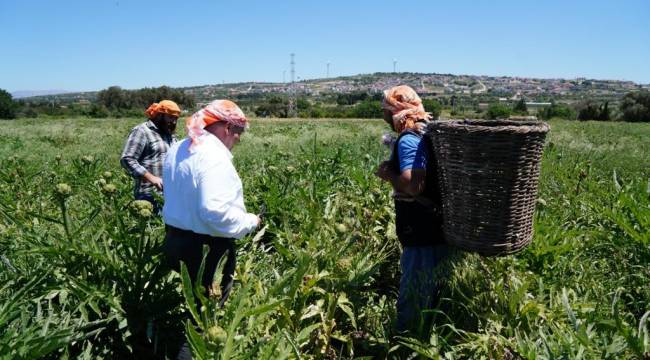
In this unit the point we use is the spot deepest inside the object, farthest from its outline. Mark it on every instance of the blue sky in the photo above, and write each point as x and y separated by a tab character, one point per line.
93	44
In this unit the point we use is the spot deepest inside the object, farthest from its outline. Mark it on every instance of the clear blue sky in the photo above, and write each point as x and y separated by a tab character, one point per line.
92	44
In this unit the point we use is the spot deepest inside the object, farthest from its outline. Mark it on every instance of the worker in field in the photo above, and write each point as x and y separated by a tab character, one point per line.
418	218
204	198
146	147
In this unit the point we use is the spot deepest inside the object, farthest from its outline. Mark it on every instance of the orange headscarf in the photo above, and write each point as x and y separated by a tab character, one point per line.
218	110
164	107
406	107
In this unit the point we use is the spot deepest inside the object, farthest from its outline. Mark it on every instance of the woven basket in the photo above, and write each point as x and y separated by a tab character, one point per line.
488	173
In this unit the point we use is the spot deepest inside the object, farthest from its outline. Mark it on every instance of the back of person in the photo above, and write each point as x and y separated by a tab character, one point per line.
418	221
204	202
146	147
418	217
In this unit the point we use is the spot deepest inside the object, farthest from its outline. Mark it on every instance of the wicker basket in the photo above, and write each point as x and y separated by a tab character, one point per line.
488	172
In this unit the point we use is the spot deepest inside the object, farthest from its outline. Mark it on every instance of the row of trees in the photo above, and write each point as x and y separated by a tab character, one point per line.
368	108
117	102
116	98
281	107
113	101
634	107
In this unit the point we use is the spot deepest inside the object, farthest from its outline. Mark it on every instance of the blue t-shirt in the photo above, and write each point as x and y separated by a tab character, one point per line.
412	153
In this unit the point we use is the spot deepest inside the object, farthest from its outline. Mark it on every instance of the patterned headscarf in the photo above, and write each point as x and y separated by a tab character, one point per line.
406	107
164	107
218	110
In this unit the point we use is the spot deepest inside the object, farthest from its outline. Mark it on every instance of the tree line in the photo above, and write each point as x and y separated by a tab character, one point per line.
117	102
346	106
113	101
634	107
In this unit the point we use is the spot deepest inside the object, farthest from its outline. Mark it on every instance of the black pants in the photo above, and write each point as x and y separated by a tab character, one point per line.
418	225
187	246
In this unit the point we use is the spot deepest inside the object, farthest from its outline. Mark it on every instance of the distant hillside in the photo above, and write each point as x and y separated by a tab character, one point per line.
428	85
432	85
32	93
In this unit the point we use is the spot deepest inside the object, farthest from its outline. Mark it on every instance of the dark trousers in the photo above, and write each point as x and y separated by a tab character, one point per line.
187	246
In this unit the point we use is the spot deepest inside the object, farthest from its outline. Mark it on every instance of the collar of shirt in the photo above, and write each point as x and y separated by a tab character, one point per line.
215	141
151	125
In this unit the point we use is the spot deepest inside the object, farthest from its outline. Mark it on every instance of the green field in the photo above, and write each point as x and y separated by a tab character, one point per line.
81	274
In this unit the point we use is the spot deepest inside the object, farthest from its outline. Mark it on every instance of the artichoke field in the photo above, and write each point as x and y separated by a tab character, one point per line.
82	276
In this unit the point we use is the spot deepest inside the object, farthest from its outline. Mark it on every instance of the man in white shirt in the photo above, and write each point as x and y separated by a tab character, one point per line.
204	202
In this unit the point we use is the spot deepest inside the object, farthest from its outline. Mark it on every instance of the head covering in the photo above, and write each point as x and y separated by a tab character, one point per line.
163	107
406	107
218	110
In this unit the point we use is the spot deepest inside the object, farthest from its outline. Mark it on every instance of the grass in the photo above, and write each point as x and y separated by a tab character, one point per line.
82	275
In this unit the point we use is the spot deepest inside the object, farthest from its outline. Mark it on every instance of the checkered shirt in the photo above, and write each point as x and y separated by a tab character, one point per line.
144	151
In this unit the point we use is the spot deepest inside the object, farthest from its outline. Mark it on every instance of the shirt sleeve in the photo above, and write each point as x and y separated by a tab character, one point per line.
132	151
219	193
412	153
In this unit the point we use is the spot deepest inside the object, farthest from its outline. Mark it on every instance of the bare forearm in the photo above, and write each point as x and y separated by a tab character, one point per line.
404	183
398	182
408	181
148	177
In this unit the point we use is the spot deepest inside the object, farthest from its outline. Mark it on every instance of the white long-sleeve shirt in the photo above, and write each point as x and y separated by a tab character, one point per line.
203	192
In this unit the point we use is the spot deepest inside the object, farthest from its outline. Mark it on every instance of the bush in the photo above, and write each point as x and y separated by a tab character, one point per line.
497	111
7	105
520	107
432	106
593	111
351	98
635	107
274	106
98	111
561	111
29	112
115	98
367	109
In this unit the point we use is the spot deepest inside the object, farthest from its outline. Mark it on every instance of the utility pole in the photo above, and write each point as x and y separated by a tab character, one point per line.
292	92
293	68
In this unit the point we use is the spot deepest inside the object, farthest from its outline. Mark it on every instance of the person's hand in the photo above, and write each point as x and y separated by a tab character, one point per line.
384	171
154	180
259	221
157	182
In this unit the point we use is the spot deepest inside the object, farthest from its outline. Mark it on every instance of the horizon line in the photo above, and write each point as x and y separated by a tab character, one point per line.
64	91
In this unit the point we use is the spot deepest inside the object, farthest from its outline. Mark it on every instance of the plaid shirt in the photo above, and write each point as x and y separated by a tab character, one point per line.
144	151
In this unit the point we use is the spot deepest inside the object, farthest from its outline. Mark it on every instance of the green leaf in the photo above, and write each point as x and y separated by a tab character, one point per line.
189	295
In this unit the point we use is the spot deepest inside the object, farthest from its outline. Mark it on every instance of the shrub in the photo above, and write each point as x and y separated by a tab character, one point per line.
635	107
593	111
520	107
7	105
497	111
561	111
367	109
432	106
98	111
